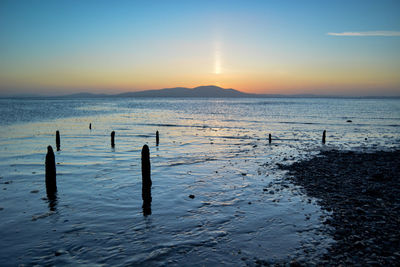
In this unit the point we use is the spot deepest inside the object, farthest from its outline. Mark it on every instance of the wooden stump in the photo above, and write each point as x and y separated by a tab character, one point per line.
146	181
51	183
58	140
112	139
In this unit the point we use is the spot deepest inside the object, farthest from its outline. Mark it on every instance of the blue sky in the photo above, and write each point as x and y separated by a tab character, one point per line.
253	46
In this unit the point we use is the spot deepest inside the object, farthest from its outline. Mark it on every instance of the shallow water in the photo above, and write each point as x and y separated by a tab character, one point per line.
215	149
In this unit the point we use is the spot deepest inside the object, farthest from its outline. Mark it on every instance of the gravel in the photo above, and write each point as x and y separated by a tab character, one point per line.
362	190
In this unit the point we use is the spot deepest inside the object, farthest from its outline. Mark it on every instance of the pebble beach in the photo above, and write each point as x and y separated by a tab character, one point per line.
362	190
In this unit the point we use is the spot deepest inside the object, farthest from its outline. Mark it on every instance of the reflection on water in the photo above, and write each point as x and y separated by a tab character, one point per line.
52	201
217	197
146	208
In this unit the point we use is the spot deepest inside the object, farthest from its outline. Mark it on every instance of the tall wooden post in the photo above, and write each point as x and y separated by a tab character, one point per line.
146	181
157	138
324	137
51	183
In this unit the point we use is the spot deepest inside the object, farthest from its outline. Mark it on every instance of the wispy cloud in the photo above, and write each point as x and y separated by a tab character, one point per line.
370	33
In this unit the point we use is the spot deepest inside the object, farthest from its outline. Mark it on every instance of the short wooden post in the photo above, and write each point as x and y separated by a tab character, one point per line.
112	139
269	138
157	138
324	137
58	140
146	181
51	183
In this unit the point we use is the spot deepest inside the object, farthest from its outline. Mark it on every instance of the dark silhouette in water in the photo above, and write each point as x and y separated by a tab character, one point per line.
146	181
157	138
112	139
51	183
323	137
269	138
200	91
146	208
52	199
90	126
58	140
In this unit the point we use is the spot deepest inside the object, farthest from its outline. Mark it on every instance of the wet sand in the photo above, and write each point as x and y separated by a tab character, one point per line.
362	191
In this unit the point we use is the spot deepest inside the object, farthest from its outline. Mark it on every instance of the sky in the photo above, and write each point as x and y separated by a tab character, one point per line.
286	47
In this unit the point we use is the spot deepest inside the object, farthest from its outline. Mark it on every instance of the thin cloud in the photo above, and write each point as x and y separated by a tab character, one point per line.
370	33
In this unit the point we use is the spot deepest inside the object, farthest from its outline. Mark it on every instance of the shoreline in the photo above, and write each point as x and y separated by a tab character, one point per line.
362	191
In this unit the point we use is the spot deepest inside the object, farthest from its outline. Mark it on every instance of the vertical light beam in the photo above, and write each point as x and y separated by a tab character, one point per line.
217	58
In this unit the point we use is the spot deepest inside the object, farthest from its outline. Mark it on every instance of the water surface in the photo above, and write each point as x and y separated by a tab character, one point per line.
215	149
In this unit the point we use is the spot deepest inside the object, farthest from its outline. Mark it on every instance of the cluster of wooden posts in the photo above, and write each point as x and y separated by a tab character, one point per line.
51	180
51	183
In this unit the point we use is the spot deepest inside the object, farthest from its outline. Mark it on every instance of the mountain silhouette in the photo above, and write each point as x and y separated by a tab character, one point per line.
209	91
200	91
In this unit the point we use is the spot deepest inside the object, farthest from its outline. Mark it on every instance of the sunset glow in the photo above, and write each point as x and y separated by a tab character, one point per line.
262	47
217	58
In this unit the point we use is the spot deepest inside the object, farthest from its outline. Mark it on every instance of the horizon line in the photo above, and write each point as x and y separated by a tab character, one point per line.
86	94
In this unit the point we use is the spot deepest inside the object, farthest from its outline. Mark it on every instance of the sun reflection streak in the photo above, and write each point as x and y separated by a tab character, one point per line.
217	58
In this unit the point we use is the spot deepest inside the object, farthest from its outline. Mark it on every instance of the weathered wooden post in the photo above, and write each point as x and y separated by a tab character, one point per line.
58	140
157	138
112	139
51	183
324	137
269	138
90	126
146	181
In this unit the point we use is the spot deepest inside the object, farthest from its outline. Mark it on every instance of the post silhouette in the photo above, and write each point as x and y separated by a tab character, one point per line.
51	183
157	138
52	201
112	139
324	137
90	126
269	138
58	140
146	181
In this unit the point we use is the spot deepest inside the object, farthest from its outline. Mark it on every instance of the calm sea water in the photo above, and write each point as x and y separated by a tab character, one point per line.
215	149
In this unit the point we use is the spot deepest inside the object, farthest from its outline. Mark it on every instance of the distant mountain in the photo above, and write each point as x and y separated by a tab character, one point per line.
201	91
210	91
